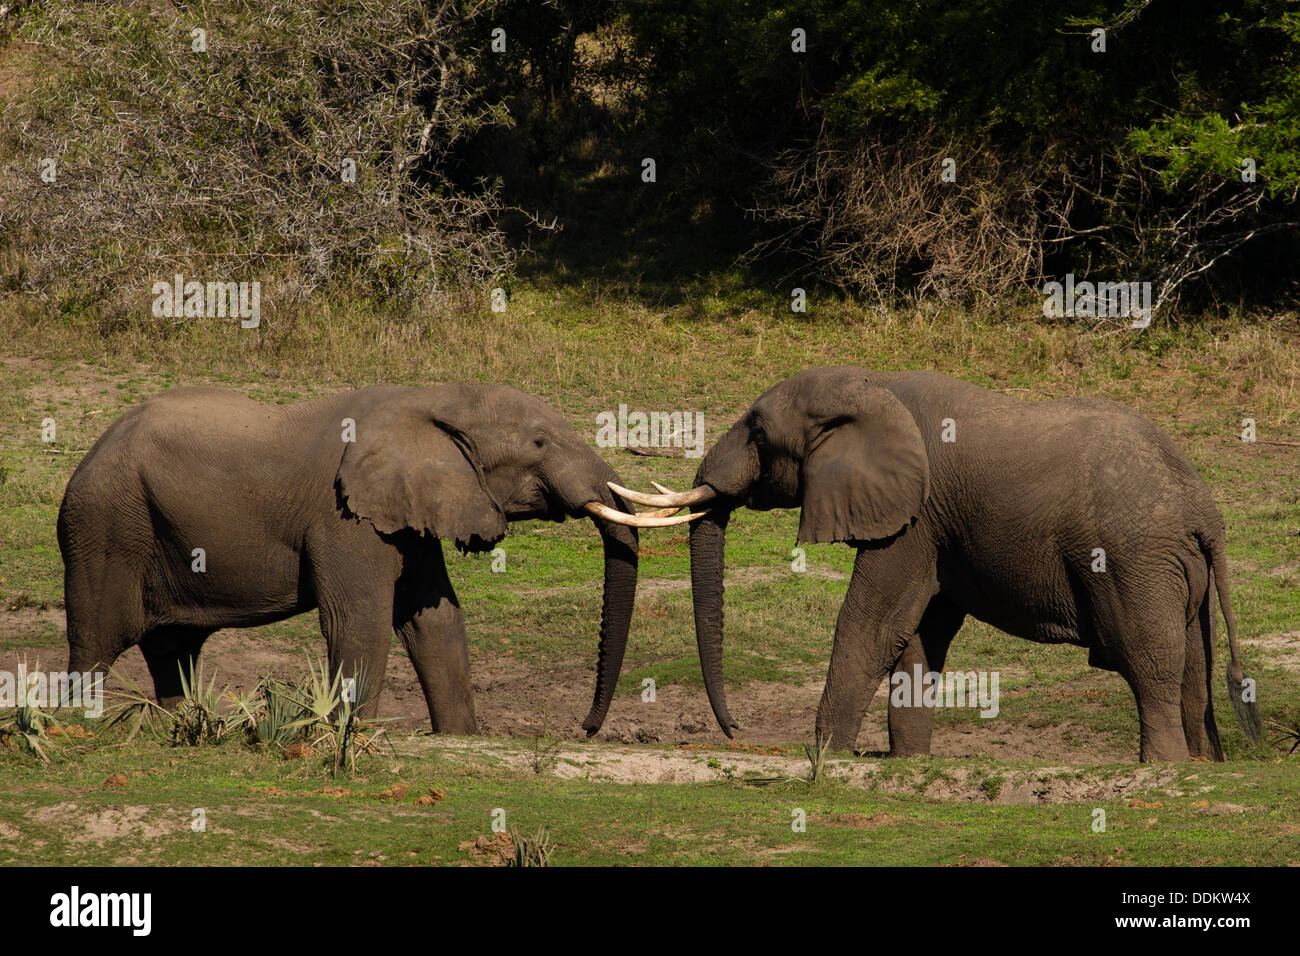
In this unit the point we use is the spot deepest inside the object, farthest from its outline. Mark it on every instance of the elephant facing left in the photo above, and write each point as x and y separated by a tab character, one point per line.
202	509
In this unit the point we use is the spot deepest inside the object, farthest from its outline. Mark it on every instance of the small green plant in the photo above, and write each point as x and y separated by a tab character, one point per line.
992	786
271	714
197	718
28	723
133	708
330	718
816	754
931	775
245	709
530	851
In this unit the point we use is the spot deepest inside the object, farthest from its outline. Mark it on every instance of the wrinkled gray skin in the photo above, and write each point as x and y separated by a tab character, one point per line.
1000	524
291	517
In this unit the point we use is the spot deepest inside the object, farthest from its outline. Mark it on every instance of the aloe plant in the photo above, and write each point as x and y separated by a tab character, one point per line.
330	718
270	713
530	851
29	721
817	758
197	718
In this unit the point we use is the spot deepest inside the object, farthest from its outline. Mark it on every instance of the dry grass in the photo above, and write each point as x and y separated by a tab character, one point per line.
879	217
587	352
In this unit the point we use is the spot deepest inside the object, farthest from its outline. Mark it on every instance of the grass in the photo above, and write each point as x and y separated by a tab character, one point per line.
708	346
263	810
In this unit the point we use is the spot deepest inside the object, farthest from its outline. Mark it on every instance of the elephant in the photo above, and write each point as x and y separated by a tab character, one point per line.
202	509
964	501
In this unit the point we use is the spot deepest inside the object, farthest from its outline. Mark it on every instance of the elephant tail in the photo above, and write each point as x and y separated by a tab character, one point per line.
1244	700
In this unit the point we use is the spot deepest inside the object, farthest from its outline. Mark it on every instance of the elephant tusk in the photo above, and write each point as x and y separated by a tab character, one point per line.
660	512
670	499
646	520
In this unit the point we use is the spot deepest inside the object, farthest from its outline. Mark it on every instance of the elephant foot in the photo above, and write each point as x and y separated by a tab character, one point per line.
462	727
843	741
908	752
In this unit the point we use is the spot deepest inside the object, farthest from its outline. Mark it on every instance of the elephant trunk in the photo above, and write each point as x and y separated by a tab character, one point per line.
615	615
708	547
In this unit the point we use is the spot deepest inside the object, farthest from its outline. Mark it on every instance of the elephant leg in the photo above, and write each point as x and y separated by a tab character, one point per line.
432	627
104	612
1199	728
910	727
351	573
358	629
1140	628
888	594
1160	714
1156	679
170	652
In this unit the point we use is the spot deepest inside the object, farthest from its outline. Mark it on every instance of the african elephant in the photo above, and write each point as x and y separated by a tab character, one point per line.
202	509
960	500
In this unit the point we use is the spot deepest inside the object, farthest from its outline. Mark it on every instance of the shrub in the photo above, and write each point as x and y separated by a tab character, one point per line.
222	155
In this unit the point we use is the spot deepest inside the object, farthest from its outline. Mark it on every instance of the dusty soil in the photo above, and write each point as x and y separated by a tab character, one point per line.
1056	783
518	699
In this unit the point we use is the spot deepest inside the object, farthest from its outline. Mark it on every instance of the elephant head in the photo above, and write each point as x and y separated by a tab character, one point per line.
460	461
828	441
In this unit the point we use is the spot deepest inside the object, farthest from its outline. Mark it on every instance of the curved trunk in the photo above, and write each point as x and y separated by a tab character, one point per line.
708	547
620	544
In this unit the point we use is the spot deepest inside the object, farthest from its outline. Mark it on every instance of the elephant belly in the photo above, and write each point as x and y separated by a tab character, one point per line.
1032	607
1047	629
225	588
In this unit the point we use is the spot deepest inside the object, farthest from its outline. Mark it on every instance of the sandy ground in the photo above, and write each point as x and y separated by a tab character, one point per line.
518	699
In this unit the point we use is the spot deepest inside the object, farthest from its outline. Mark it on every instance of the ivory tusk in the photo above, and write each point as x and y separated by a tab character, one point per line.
695	496
645	520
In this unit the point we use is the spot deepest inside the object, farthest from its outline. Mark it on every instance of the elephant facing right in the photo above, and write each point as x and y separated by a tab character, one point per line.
1073	521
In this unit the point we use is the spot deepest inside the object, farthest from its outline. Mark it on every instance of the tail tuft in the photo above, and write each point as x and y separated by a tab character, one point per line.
1247	711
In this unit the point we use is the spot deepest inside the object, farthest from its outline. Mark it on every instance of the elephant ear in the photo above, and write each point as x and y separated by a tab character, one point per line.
866	474
407	469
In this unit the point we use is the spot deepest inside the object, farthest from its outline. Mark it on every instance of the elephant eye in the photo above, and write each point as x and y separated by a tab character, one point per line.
539	442
828	426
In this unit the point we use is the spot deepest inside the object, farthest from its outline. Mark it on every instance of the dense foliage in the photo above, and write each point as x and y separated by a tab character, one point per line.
1125	163
808	139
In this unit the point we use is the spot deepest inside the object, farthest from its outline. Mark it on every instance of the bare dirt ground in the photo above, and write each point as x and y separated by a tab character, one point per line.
700	764
518	699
